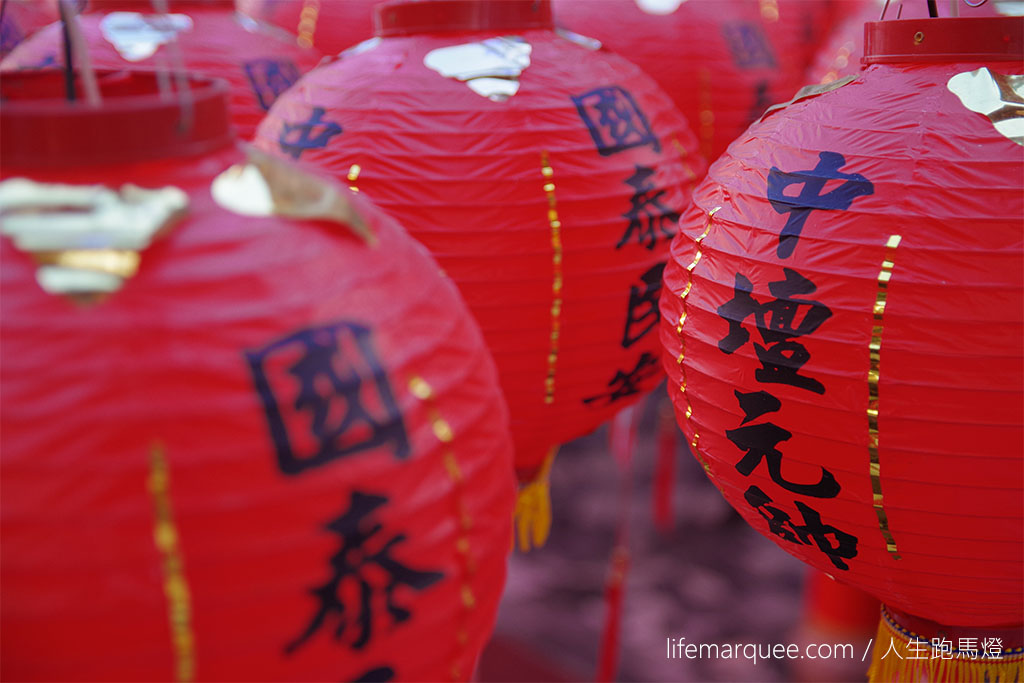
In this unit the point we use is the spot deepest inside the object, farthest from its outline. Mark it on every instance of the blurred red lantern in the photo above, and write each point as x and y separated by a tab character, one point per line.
842	322
722	62
329	26
258	447
543	176
258	61
21	18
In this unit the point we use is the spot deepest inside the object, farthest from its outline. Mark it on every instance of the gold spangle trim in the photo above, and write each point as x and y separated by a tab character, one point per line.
442	430
267	186
176	590
307	23
86	239
353	176
874	374
707	114
548	175
698	243
770	10
1000	97
683	157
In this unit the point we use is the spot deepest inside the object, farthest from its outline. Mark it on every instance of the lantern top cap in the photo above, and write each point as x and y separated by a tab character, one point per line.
411	17
146	6
966	39
134	122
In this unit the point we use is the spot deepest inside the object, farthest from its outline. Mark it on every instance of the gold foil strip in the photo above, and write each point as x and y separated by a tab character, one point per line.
490	67
809	91
86	239
444	433
176	590
556	283
683	156
267	186
1000	97
307	22
875	351
707	114
698	243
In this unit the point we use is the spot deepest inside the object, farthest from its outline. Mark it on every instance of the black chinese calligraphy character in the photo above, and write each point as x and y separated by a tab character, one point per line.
781	357
813	529
614	120
296	138
754	404
366	563
337	387
269	78
811	198
382	674
643	306
760	442
647	216
748	45
625	384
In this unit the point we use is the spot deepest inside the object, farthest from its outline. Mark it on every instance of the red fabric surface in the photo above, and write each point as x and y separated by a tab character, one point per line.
464	175
89	391
258	61
950	389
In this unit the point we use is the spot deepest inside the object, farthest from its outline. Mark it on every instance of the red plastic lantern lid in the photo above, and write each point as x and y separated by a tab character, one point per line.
409	17
981	39
147	6
40	128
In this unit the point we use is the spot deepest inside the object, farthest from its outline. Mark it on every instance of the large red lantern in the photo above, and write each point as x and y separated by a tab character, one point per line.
542	175
842	320
723	62
328	26
258	61
235	447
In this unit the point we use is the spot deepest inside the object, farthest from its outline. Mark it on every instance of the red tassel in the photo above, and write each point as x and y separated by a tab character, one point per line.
622	442
665	468
614	594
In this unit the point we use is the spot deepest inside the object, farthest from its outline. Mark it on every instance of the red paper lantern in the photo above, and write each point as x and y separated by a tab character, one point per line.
275	452
259	62
722	62
543	176
329	26
842	322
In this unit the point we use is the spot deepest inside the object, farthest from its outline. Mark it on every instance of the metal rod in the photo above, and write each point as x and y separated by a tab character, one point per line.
69	71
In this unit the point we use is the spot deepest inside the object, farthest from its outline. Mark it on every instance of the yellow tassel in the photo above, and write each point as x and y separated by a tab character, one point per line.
533	508
899	655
